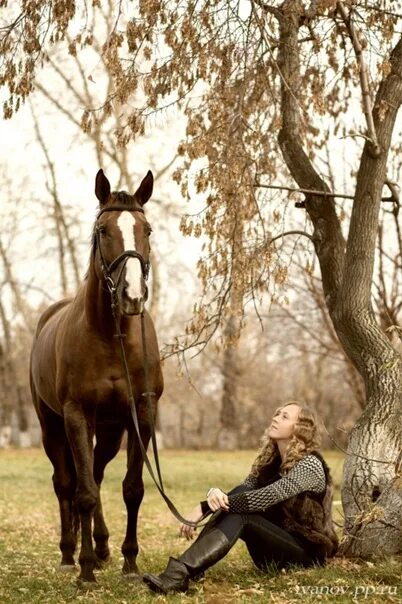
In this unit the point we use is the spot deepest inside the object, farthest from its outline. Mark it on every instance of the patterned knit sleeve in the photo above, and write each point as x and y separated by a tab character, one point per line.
307	475
251	481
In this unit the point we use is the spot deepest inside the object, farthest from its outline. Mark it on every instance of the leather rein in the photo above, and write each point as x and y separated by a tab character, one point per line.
112	286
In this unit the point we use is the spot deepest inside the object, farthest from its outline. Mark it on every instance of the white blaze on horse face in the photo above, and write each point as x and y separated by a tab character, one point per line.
126	223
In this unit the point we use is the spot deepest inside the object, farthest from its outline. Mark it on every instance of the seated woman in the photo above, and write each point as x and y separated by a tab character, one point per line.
282	510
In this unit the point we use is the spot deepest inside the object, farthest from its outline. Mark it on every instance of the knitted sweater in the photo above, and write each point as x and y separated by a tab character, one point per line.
306	475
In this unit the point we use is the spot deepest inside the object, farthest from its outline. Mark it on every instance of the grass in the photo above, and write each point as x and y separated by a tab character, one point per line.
29	535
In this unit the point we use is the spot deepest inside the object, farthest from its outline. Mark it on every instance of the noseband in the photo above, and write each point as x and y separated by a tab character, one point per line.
107	269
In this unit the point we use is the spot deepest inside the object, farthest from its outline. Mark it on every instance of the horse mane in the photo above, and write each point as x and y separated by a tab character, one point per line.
121	198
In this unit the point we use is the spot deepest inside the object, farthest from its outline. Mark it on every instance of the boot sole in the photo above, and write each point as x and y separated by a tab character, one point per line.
152	584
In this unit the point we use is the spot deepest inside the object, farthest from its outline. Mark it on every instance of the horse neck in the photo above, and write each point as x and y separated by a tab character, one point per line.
98	307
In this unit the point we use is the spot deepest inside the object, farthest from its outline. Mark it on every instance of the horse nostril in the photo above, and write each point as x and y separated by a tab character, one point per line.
135	301
126	289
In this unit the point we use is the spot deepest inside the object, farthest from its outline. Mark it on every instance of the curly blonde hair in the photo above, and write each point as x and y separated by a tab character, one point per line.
306	438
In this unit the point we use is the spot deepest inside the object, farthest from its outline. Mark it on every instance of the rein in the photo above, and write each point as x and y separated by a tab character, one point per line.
112	287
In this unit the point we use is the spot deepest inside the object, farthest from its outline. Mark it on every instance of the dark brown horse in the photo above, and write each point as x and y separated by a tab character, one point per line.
78	383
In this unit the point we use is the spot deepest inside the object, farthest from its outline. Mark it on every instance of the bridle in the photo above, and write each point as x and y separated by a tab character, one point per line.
108	269
112	285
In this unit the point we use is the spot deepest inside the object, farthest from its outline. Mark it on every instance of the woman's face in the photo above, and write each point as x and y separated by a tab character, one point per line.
283	422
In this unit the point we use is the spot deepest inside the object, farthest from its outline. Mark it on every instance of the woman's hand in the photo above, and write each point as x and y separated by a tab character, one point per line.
217	500
195	516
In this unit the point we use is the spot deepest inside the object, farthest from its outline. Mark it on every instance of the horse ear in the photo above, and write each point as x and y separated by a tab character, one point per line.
102	187
144	191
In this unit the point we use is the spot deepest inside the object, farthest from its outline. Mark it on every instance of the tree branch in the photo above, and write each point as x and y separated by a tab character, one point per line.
291	233
328	239
364	83
391	185
371	177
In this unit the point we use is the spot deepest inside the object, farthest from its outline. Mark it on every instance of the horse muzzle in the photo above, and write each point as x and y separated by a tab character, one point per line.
133	306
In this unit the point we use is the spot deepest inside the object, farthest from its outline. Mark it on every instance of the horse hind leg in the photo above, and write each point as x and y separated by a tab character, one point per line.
108	441
69	538
80	430
64	481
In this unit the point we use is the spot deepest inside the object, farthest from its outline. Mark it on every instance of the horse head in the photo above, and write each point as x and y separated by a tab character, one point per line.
121	243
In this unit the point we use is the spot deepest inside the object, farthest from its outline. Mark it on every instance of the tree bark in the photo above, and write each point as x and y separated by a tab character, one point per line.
20	304
6	406
378	432
369	475
13	397
231	370
228	437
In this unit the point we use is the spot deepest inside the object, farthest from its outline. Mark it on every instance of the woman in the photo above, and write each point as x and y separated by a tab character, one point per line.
282	510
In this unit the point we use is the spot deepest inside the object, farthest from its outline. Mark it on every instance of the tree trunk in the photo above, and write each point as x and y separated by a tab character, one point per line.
60	245
227	438
155	289
19	302
369	474
6	406
62	228
377	434
13	398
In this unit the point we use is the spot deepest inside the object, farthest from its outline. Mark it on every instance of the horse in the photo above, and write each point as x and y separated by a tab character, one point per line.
79	386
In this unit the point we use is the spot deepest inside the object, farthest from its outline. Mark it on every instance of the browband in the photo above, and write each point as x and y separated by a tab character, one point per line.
119	209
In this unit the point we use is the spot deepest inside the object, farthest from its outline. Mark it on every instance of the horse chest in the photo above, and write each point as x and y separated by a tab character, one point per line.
100	377
106	391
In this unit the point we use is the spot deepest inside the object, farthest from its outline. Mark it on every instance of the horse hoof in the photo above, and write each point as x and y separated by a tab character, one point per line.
132	577
67	568
86	583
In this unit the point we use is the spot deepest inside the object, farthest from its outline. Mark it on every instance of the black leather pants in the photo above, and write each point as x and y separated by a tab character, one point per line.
266	542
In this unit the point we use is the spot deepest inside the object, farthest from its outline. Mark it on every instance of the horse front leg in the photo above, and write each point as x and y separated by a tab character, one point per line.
108	441
80	429
133	492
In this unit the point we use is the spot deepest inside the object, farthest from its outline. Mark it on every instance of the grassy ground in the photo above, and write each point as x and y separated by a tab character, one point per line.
29	535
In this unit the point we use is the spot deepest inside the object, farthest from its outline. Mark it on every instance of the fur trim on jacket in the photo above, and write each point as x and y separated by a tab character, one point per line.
308	517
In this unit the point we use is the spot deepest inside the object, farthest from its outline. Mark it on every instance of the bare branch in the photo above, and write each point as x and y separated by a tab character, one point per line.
367	102
382	10
291	233
326	193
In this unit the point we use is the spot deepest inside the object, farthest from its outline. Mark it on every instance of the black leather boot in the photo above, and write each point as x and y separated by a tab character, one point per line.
202	554
174	578
206	551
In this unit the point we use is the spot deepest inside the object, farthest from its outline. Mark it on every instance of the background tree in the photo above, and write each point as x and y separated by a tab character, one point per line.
14	399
